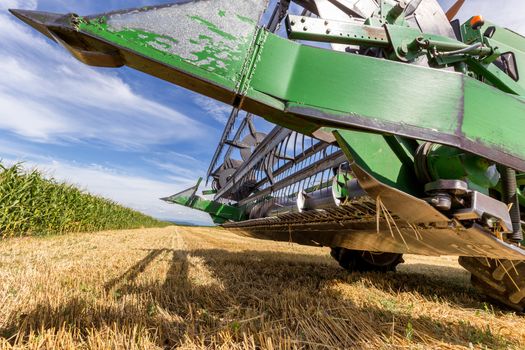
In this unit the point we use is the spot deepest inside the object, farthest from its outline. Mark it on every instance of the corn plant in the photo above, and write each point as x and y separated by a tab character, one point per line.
31	204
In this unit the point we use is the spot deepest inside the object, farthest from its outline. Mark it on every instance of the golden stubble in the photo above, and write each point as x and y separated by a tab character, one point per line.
195	288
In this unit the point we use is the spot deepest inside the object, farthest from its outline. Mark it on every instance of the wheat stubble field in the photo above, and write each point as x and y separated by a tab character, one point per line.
180	287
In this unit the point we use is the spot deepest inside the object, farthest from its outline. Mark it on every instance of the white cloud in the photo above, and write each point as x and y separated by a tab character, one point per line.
177	171
18	4
181	156
47	96
217	110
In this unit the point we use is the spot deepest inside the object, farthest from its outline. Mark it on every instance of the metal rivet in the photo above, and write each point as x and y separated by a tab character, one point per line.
325	23
292	23
328	31
302	20
305	28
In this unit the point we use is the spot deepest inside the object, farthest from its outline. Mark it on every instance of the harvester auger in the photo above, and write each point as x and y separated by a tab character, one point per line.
397	131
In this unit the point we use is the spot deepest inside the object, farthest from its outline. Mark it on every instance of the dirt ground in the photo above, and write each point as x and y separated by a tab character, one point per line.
181	287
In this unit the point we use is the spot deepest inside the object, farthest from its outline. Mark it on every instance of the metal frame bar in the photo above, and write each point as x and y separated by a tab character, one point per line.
331	161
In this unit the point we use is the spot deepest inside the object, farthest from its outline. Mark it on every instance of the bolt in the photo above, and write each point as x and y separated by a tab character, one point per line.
303	20
402	4
328	31
305	28
441	201
292	23
75	19
325	23
491	222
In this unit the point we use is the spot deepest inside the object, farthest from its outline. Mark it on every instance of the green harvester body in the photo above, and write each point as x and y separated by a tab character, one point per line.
428	126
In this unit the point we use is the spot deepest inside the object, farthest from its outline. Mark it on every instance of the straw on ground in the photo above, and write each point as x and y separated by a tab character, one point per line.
207	288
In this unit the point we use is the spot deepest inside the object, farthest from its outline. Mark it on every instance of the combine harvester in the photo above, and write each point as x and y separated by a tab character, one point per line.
398	129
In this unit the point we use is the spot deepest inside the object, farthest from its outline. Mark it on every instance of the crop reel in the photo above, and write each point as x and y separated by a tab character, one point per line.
397	128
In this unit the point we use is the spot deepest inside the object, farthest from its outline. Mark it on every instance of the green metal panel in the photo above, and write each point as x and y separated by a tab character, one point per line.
304	88
219	212
210	39
445	162
215	209
382	157
504	41
377	89
493	118
416	101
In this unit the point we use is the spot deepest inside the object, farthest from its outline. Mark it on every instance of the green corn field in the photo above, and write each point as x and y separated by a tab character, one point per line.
31	204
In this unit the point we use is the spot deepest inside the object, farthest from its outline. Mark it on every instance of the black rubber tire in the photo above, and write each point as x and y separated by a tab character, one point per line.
365	261
500	280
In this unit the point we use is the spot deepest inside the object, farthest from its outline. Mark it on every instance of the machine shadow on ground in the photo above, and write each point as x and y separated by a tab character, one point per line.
245	294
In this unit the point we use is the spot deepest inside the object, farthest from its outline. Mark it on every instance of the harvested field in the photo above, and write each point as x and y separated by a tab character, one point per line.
207	288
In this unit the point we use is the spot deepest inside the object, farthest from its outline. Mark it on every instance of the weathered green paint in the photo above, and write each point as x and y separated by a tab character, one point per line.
304	88
350	84
321	30
209	192
145	43
387	92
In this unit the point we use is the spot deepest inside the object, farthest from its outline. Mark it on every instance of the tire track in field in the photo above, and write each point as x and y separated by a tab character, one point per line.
198	272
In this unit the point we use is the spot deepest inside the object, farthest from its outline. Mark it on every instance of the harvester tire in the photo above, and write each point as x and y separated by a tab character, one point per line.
500	280
365	261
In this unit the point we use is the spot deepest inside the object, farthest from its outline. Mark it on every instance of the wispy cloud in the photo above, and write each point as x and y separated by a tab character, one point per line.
47	96
18	4
177	172
217	110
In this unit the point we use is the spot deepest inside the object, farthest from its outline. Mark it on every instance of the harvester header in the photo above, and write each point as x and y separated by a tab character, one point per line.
398	129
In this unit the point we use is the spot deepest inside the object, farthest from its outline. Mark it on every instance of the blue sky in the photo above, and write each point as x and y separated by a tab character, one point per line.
118	133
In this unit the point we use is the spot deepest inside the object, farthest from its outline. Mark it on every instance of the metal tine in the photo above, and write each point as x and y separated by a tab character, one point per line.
294	188
288	146
251	127
225	134
281	145
308	182
283	150
302	145
295	145
270	166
